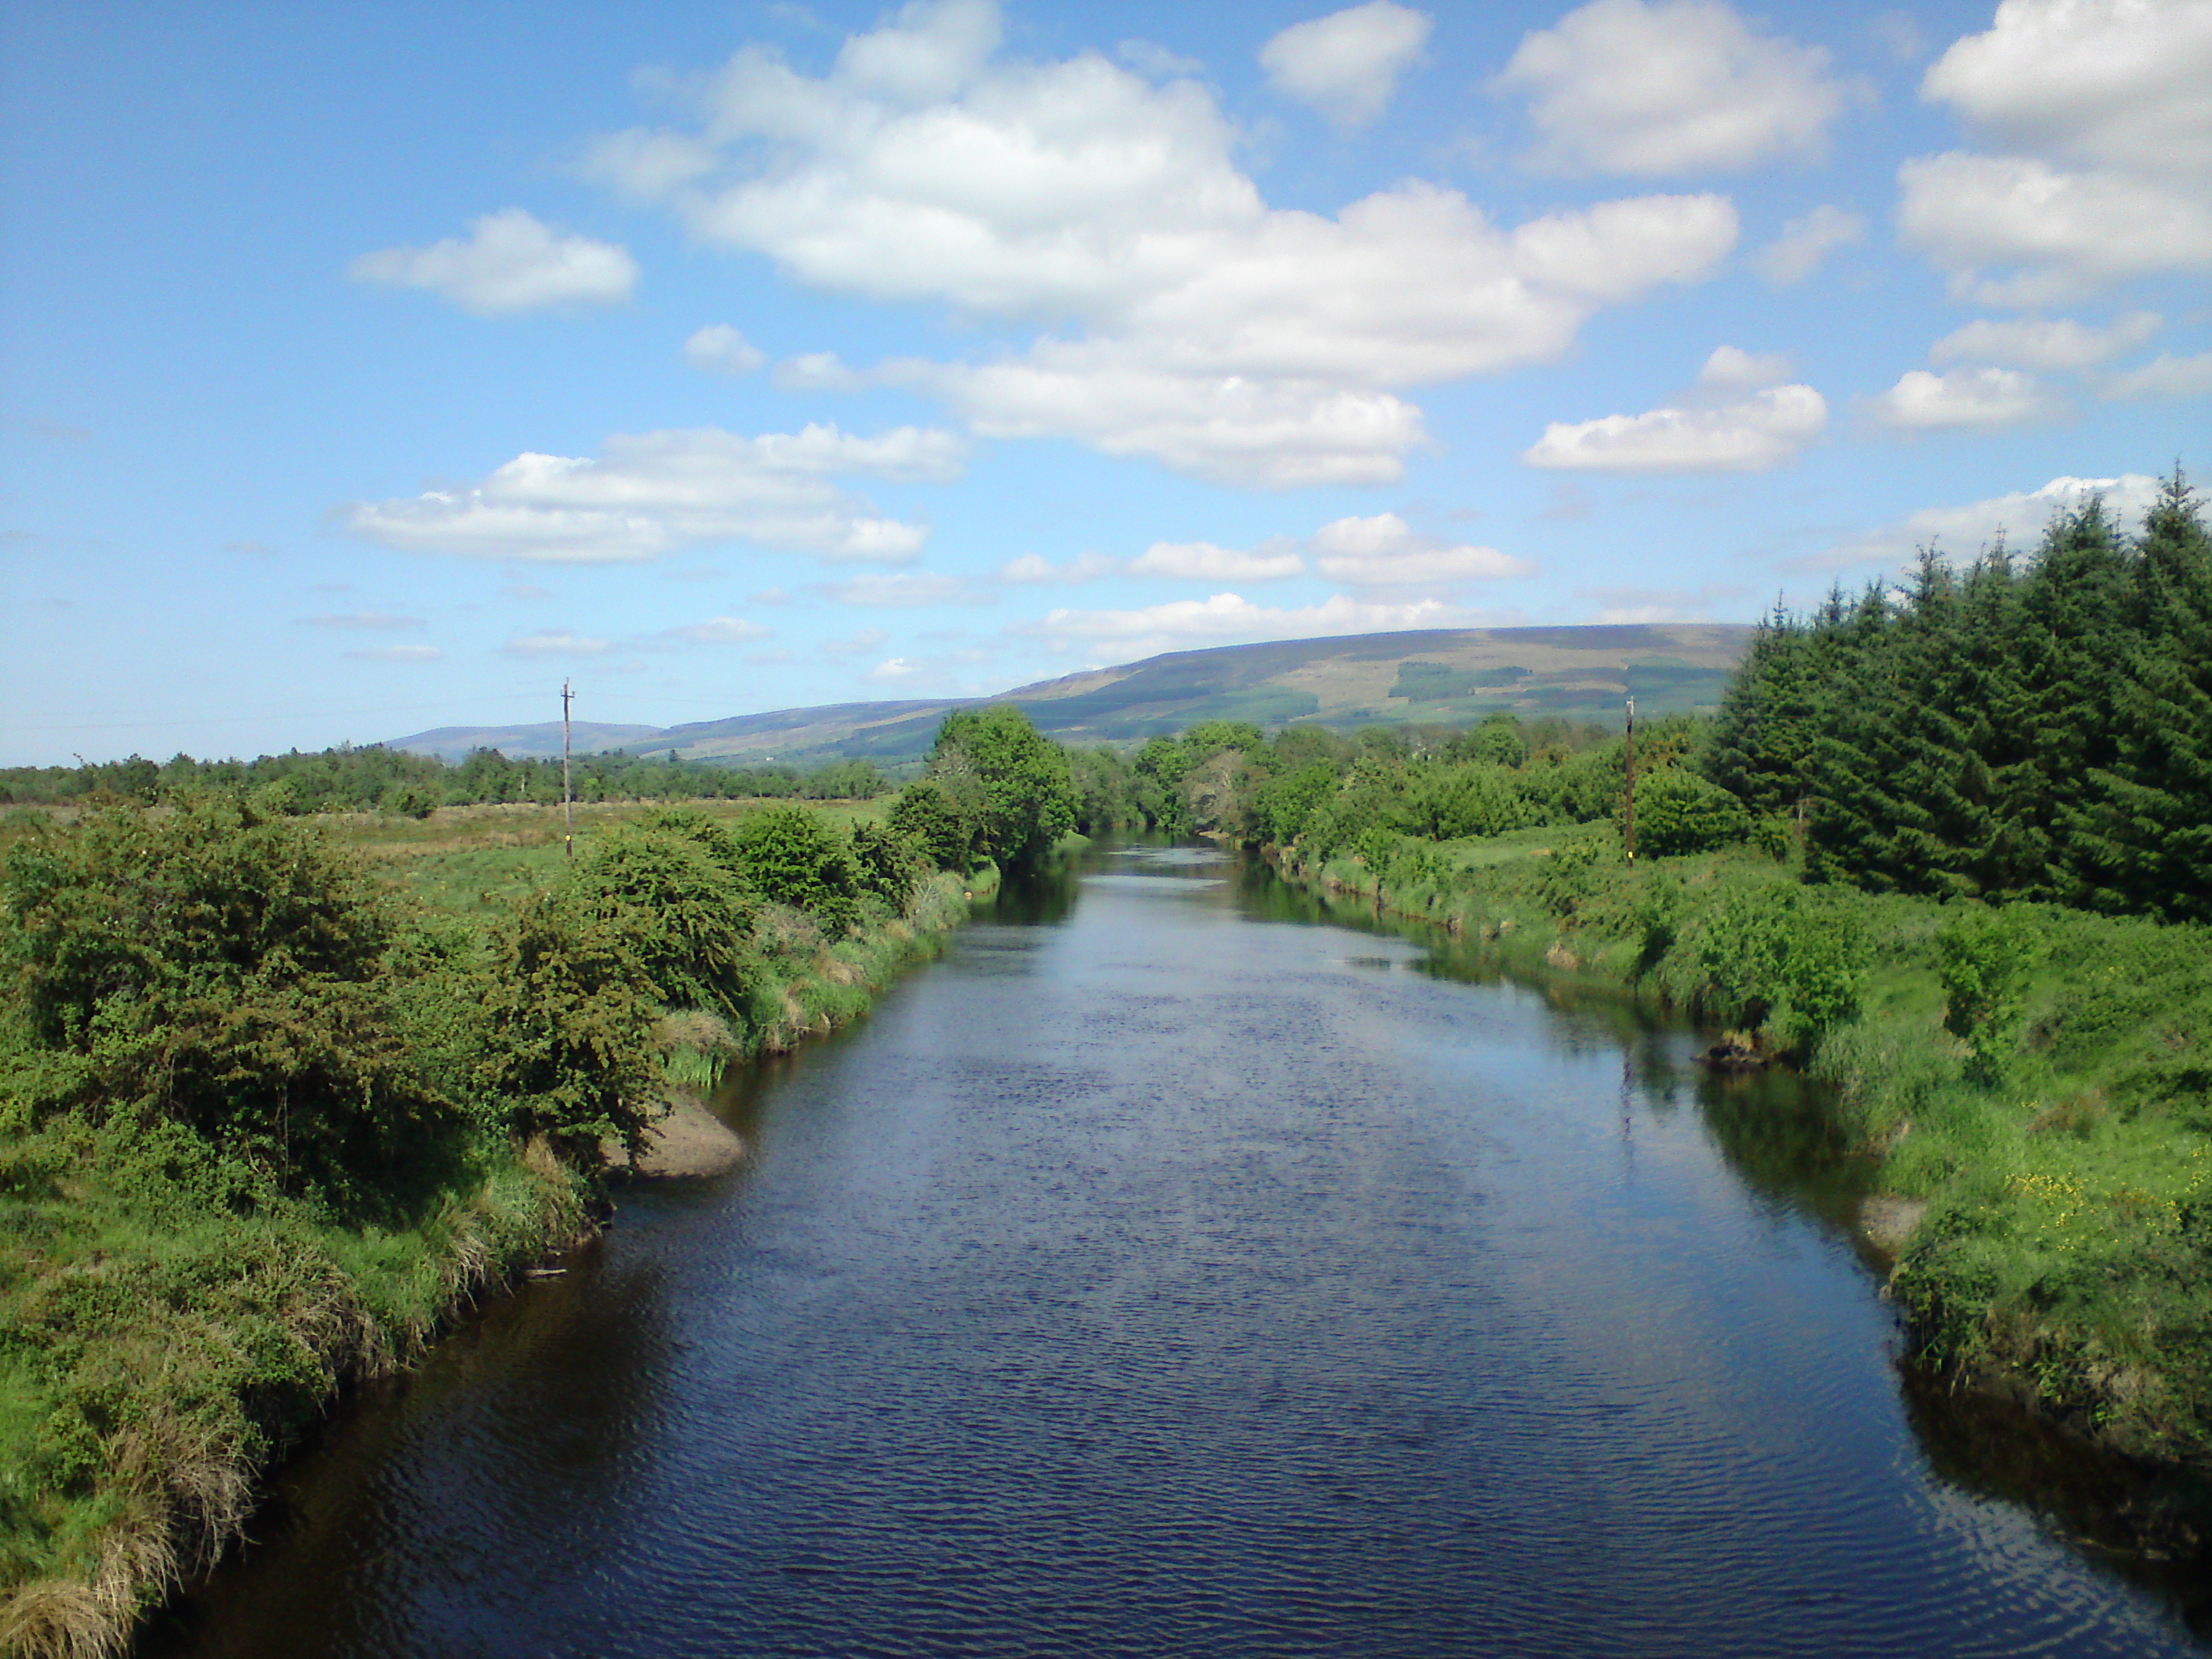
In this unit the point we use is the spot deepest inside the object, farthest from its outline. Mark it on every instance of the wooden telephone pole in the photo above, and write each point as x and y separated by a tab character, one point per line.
1628	818
567	795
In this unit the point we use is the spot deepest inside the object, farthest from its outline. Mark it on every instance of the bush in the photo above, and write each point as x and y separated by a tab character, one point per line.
1011	781
226	972
569	1027
792	857
1678	811
686	917
1983	958
928	816
887	864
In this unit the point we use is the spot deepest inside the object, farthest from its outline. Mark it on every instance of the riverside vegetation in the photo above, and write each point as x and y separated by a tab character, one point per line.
280	1095
1947	847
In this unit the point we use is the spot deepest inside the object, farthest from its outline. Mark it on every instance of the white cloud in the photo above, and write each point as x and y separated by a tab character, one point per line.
1746	434
1731	368
556	642
1978	399
2113	83
2064	234
1805	241
509	263
1031	567
2031	343
1346	65
2164	376
721	350
817	371
1230	619
1202	561
361	619
1384	551
398	654
2102	106
653	493
717	630
1198	326
1683	86
1149	57
1965	531
892	670
902	588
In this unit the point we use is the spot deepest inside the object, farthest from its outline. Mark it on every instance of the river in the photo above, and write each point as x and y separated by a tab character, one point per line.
1175	1268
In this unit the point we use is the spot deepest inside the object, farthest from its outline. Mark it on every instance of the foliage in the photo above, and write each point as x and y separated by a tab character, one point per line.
672	887
1679	812
887	864
1984	960
1009	780
927	815
790	855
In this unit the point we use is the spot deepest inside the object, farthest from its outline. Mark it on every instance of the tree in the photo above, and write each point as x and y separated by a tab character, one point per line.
1012	780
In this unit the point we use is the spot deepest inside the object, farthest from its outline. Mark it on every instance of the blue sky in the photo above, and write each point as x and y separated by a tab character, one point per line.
377	367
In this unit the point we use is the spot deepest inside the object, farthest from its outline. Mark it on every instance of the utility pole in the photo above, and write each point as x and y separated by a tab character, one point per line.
1628	818
567	795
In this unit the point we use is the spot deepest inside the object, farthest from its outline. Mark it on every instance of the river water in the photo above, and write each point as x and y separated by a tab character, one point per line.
1175	1268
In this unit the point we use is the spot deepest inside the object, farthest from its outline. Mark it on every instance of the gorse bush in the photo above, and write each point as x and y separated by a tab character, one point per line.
684	913
1677	811
1984	959
925	814
228	972
790	855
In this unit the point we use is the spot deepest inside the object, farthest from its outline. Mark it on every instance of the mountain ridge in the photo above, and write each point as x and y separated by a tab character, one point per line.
1456	676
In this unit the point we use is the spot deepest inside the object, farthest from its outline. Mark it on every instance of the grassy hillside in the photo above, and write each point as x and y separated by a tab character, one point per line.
1438	676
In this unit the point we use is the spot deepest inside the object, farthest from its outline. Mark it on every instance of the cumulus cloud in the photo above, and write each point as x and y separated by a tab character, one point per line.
1346	65
398	654
1202	561
2164	376
2060	344
1384	551
892	670
1193	323
1971	399
556	642
817	371
721	350
1805	242
2100	108
2018	519
1231	619
509	262
1031	567
1738	419
1150	57
655	492
1683	86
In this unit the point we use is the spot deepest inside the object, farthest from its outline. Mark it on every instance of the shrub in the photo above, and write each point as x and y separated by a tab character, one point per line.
1012	781
1983	958
927	815
792	857
887	864
686	917
1678	811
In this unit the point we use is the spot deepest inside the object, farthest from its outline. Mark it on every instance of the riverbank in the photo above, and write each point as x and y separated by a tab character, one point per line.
2049	1208
171	1318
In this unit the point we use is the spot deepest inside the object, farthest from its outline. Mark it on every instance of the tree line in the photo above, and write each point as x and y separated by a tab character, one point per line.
376	779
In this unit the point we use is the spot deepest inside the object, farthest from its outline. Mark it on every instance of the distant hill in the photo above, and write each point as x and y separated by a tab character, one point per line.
1445	677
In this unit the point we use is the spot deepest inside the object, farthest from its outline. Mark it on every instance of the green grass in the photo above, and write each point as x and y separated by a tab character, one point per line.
2065	1251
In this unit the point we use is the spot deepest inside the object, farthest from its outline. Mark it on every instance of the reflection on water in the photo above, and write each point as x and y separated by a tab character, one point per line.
1186	1266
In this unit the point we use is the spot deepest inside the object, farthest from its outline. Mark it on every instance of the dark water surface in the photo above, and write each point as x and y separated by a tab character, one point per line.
1164	1273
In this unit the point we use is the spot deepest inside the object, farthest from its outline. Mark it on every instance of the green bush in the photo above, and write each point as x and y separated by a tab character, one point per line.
1983	958
927	815
887	864
686	916
1678	811
1011	782
792	857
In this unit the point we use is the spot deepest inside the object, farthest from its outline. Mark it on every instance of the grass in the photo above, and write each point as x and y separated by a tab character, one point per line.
2064	1253
168	1327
